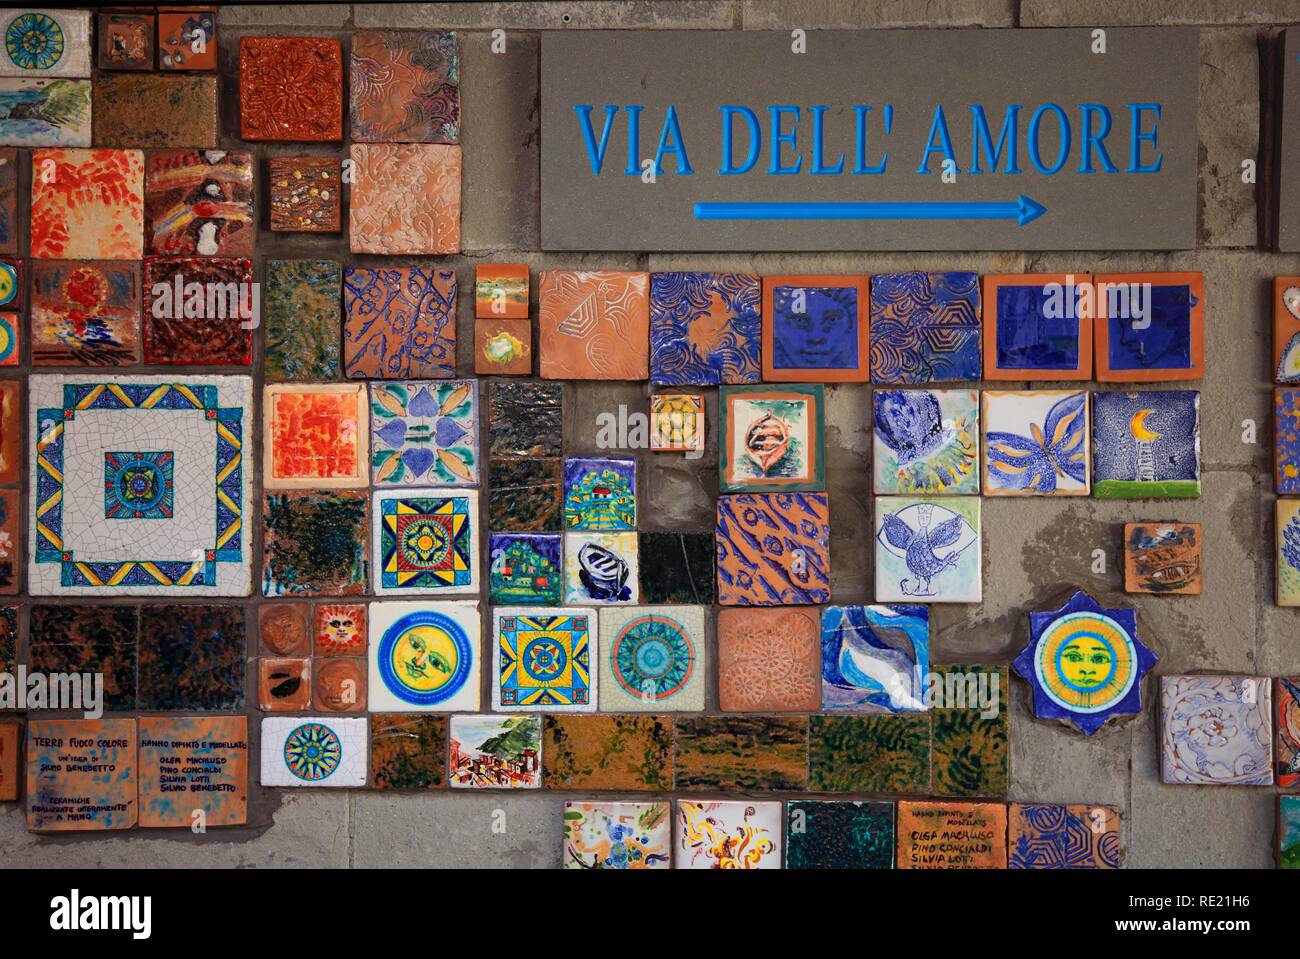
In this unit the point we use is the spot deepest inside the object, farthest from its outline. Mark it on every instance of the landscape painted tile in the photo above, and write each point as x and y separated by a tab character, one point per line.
925	327
314	751
593	325
424	432
305	194
839	835
652	659
408	751
424	657
155	111
926	442
282	628
192	658
543	658
869	754
199	311
1288	832
875	658
193	764
199	202
816	329
1164	559
290	88
126	41
526	495
677	422
1216	730
971	749
952	835
495	752
302	320
1146	445
769	660
526	420
85	313
928	549
677	567
525	569
617	835
608	753
773	549
315	544
1286	329
340	629
1061	836
405	199
501	291
1035	443
88	639
600	568
1038	326
405	87
741	753
426	541
1287	696
45	43
87	204
45	113
1150	327
728	835
315	436
399	323
705	328
503	347
187	40
74	787
772	438
599	494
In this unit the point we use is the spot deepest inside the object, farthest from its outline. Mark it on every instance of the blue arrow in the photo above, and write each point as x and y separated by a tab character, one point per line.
1023	210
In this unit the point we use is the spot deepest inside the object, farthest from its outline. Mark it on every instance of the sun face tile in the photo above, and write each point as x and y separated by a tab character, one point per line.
928	549
1288	832
652	659
501	291
542	660
192	658
305	194
405	199
126	41
593	325
187	40
925	328
81	774
728	835
525	569
1163	558
677	422
199	203
495	752
302	320
875	658
599	494
952	835
340	629
970	748
839	835
1146	445
1038	326
600	568
87	639
704	328
155	111
10	756
1287	696
526	495
772	438
315	436
10	538
400	323
618	835
869	754
45	43
503	347
1216	730
525	420
926	442
773	549
198	311
424	657
10	227
193	763
405	87
769	660
677	567
424	432
741	753
283	685
617	753
87	204
61	107
315	544
339	685
408	751
1036	443
314	751
1062	836
85	313
815	329
1149	327
426	541
290	88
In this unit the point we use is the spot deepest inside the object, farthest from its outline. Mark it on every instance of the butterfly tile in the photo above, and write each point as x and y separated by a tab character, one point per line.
282	629
926	442
1035	443
677	567
869	754
593	325
187	40
85	313
816	329
1149	327
315	543
400	323
925	327
1038	326
81	775
839	835
874	658
190	763
728	835
543	659
45	43
1216	730
126	41
305	194
424	432
290	88
1146	445
199	311
155	111
62	112
1286	329
677	422
405	87
408	751
952	835
192	658
424	657
426	541
526	419
315	436
769	660
1163	558
599	494
526	495
525	569
772	438
503	347
405	199
1287	696
928	550
1288	552
618	835
601	752
87	204
340	629
741	753
88	639
773	549
1062	836
495	752
705	328
501	291
652	659
283	684
302	320
323	751
970	745
600	568
10	227
1288	832
199	202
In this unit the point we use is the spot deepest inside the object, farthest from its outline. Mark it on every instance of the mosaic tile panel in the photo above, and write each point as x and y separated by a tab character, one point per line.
10	225
45	43
10	540
772	438
340	629
282	628
126	41
187	40
677	567
816	329
928	550
1288	832
1164	559
60	112
601	568
1036	442
525	569
503	347
1150	327
1146	444
926	442
526	495
875	658
501	291
599	494
1287	696
1038	326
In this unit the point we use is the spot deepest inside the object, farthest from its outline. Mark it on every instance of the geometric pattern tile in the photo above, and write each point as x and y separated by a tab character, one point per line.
542	659
426	541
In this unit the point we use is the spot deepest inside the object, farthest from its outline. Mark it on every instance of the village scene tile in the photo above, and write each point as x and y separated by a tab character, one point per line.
495	752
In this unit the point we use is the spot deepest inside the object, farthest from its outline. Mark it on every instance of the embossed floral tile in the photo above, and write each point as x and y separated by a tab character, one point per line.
199	202
405	87
769	660
405	199
400	323
1216	730
290	88
87	204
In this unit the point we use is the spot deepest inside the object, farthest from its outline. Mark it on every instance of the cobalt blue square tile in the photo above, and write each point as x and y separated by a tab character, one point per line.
1038	326
1055	342
1146	444
1150	327
704	328
925	327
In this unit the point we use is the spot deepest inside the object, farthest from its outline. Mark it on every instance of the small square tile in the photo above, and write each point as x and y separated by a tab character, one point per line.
526	495
773	549
62	112
593	325
677	567
616	753
741	753
405	199
1287	696
949	567
424	432
1149	327
1062	836
302	320
601	568
503	347
971	750
816	329
1146	445
1216	730
81	774
426	541
769	660
952	835
526	420
399	323
192	658
45	43
495	752
925	328
839	835
340	629
599	494
339	685
10	431
525	569
424	657
870	754
652	659
1286	440
199	203
501	291
187	40
677	422
10	537
1163	558
926	442
74	222
705	328
1286	329
408	751
305	194
1036	442
314	751
315	544
282	629
542	660
728	835
405	87
87	639
283	685
772	438
1038	326
316	436
85	313
874	659
10	227
181	330
1288	832
13	291
155	111
10	758
190	764
126	41
10	334
618	835
290	88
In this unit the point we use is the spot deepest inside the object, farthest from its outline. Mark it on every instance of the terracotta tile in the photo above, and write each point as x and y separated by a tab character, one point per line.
1038	326
925	327
952	835
501	291
525	495
525	569
187	40
45	43
503	347
1167	344
627	753
728	835
87	639
677	422
495	752
677	567
773	549
769	660
593	325
1017	462
1146	444
340	629
840	835
193	763
85	313
282	628
290	88
772	438
1163	558
315	544
339	685
1062	836
1216	730
10	757
192	658
816	329
81	774
283	685
742	753
199	202
87	204
704	328
425	657
10	227
408	751
126	41
405	199
400	323
1287	719
972	750
61	107
222	335
10	430
618	835
424	433
155	111
306	194
316	436
405	87
318	751
301	315
870	754
525	420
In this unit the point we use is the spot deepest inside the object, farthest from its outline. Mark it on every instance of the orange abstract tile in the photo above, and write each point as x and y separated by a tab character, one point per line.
501	291
316	436
594	325
87	204
290	88
405	198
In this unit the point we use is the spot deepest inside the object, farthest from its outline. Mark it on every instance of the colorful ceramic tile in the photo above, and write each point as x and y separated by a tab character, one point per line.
704	328
315	436
928	549
302	320
1061	836
126	41
399	323
156	112
283	685
875	658
87	639
769	660
525	569
81	774
601	568
199	202
1286	329
677	422
1286	440
45	43
199	311
526	495
839	835
926	442
193	770
526	420
405	199
1216	730
405	87
314	751
8	639
192	658
925	327
652	659
10	538
9	223
305	194
426	541
970	747
10	431
869	754
621	753
501	291
495	752
1146	445
85	313
593	325
315	544
10	758
408	751
542	660
1288	832
1035	443
1149	327
772	438
1038	326
728	835
1163	558
677	568
503	347
617	835
187	40
340	629
424	657
773	549
424	433
58	113
13	288
282	629
87	204
741	753
952	835
339	685
290	88
9	339
815	329
1287	695
599	494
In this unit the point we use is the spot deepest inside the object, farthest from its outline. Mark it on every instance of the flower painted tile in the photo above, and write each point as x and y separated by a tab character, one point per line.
869	754
192	658
526	495
525	569
1216	730
1288	552
503	347
190	764
314	751
1146	445
1163	558
1062	836
593	325
617	835
87	204
728	835
926	442
10	227
816	329
405	87
88	639
741	753
60	112
526	419
839	835
952	835
677	422
501	291
1288	832
282	629
408	751
283	685
769	660
677	567
925	327
875	658
705	328
199	311
495	752
1287	696
85	313
1286	329
126	41
340	629
399	323
928	550
154	111
772	438
305	194
599	494
600	568
424	657
616	753
1286	440
290	88
542	659
1036	443
424	432
10	760
1149	327
187	40
971	742
405	199
199	202
1038	326
652	659
45	43
773	549
315	544
426	541
302	320
315	436
81	775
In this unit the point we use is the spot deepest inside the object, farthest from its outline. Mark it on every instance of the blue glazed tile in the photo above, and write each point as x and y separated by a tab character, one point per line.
875	658
524	569
1165	344
1028	337
599	494
925	327
1146	444
704	328
823	336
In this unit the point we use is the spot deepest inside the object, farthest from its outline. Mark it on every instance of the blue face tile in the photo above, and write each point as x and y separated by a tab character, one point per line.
815	328
704	328
925	327
1028	337
1166	344
1146	444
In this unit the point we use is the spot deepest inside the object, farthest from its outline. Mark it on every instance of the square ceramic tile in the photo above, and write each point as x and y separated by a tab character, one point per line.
10	339
816	329
1163	558
316	436
88	639
1149	327
677	422
283	630
187	40
290	88
602	752
405	87
773	549
1038	326
869	754
426	541
283	685
599	494
10	430
1035	443
315	544
593	325
408	751
45	43
13	290
952	835
87	204
191	764
126	41
192	658
928	550
10	760
769	660
424	432
741	754
81	774
617	835
8	639
503	347
1288	832
526	420
199	311
1286	329
399	323
1288	552
314	751
10	544
199	202
62	111
526	495
925	327
301	316
10	227
501	291
154	111
340	629
542	659
85	313
875	658
140	485
525	569
405	199
1286	440
652	659
424	657
339	685
305	194
600	568
704	328
926	442
495	752
1061	836
1146	445
772	438
728	835
970	746
839	835
1287	696
1216	730
677	567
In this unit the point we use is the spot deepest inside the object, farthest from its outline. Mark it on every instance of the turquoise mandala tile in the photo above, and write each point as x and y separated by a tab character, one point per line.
139	486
